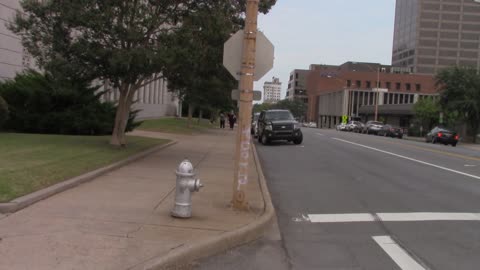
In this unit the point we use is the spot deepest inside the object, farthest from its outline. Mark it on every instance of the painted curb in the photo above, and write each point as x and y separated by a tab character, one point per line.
29	199
223	242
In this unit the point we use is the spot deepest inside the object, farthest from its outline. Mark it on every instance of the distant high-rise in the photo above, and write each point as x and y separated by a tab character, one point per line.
297	86
433	34
271	91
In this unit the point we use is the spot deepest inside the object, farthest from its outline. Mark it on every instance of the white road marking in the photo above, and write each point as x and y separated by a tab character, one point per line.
390	217
408	158
320	134
326	218
397	253
469	165
303	218
427	216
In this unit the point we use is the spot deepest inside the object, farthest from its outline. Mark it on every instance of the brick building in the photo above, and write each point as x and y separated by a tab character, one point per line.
335	91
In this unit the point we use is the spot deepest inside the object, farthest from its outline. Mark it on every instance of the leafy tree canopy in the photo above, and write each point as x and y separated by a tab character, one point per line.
460	93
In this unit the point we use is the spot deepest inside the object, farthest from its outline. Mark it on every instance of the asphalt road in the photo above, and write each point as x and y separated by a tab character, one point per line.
355	201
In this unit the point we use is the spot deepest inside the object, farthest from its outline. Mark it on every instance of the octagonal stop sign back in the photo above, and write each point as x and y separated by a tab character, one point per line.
232	55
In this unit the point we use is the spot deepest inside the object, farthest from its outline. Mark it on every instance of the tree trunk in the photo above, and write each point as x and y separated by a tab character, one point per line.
474	131
121	117
115	140
200	116
191	108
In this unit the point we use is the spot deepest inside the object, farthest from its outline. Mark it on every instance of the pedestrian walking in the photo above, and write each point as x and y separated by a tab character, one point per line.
222	120
231	119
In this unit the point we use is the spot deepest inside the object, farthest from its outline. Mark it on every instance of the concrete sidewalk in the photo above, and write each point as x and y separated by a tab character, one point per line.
121	220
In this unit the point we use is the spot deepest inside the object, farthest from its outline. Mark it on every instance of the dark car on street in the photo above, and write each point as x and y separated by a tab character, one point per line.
373	127
442	135
278	125
391	131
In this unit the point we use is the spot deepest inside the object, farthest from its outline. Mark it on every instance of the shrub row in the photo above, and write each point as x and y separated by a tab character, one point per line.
38	103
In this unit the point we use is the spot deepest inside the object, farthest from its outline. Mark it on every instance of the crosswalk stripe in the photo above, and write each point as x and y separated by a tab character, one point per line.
393	217
397	253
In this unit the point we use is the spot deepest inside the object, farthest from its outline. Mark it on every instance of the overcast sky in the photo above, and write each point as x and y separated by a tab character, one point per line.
330	32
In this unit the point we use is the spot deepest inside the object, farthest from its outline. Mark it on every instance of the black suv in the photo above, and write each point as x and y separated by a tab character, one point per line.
278	125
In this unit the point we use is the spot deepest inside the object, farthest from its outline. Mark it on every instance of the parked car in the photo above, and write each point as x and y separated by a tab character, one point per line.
312	125
373	127
355	126
278	125
442	135
390	131
254	127
341	127
349	126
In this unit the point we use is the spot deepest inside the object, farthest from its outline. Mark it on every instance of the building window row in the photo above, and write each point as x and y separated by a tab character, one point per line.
388	85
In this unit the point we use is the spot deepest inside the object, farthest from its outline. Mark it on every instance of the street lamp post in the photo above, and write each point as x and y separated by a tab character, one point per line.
377	92
377	95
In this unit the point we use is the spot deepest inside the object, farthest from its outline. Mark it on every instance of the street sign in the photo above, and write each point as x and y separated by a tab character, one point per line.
257	95
232	55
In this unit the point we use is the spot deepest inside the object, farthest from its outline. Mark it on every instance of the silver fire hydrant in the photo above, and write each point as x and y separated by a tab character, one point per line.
186	184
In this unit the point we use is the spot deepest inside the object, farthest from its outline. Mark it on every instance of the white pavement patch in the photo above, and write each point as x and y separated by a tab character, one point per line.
408	158
397	253
393	217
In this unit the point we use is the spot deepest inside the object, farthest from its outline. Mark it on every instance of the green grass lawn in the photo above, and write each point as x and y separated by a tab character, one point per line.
176	125
29	162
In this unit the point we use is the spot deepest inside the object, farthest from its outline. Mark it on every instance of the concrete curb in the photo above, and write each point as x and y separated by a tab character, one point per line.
29	199
250	232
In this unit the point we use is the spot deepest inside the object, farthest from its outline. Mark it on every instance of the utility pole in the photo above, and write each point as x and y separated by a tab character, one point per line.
242	153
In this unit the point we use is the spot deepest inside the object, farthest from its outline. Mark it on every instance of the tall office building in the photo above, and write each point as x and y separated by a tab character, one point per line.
271	91
297	87
13	58
433	34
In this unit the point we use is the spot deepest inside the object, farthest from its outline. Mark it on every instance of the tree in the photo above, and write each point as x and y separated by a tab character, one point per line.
122	41
427	110
297	107
118	41
3	111
262	107
195	71
460	93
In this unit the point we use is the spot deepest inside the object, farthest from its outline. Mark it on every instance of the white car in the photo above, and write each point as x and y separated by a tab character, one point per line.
312	125
342	127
